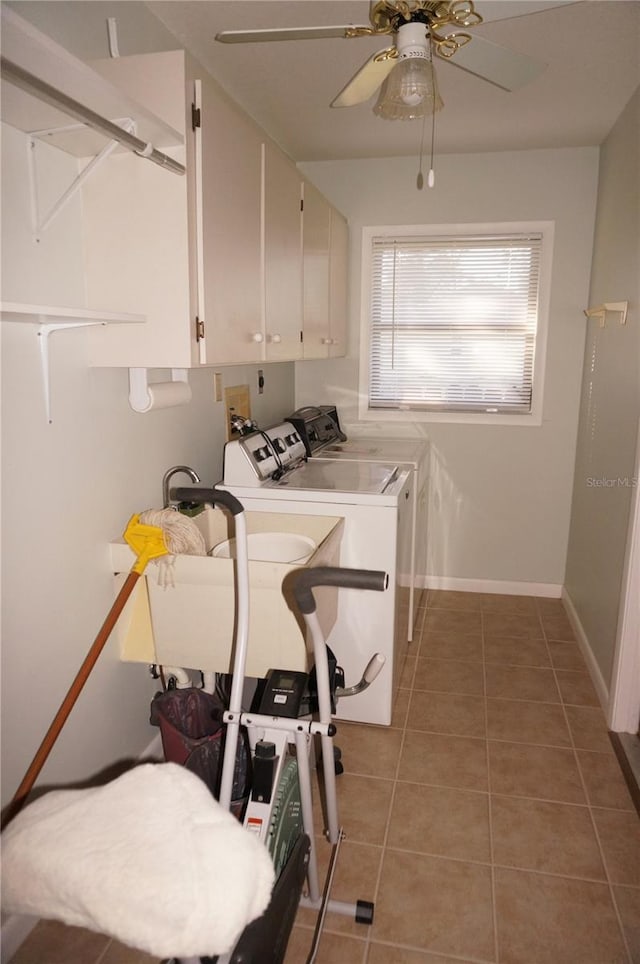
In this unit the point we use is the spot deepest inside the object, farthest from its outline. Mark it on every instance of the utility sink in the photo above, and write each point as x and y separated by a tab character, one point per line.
270	547
191	622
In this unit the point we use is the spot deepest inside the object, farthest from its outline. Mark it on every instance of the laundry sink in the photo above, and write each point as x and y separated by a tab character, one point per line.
183	612
270	547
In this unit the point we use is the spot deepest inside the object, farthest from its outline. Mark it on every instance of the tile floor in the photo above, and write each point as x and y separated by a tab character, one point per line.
490	822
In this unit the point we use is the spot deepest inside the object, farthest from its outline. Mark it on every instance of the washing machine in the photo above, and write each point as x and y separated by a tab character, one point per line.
269	471
323	437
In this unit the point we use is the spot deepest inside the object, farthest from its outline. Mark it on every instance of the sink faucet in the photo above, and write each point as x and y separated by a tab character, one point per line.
168	475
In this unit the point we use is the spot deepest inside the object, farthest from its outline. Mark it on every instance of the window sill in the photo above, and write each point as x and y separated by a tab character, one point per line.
365	414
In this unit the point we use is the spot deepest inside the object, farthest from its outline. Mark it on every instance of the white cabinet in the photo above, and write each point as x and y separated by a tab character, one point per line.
338	287
139	240
282	257
215	262
187	252
211	256
232	245
316	232
324	244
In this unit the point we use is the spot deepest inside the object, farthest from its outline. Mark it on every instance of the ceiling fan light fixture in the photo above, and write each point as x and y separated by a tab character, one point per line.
411	89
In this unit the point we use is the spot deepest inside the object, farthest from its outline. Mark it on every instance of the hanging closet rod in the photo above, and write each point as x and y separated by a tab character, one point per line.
45	92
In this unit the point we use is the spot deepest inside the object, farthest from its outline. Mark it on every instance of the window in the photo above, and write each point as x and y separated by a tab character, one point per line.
454	322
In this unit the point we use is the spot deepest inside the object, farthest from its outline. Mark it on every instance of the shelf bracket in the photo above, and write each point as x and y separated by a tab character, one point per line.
600	312
145	395
44	331
40	226
50	319
37	87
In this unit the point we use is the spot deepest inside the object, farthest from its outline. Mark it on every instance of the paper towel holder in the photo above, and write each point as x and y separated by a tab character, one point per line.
145	395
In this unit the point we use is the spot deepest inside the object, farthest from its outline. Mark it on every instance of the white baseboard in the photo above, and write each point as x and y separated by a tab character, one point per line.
152	753
16	927
15	930
583	642
549	590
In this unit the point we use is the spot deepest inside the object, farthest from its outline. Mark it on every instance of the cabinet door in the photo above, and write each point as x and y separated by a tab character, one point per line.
231	230
282	256
316	231
136	232
338	301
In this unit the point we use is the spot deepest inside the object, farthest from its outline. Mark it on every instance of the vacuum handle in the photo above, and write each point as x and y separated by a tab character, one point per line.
202	495
303	581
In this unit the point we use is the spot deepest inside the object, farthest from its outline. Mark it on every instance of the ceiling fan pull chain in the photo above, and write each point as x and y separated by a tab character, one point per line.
431	177
420	178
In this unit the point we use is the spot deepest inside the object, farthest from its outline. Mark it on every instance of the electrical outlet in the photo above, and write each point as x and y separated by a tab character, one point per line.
237	402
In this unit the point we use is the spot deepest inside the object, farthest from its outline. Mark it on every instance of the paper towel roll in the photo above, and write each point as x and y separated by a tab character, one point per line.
144	396
166	394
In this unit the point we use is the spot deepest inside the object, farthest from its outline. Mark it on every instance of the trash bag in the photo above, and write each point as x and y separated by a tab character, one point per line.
192	734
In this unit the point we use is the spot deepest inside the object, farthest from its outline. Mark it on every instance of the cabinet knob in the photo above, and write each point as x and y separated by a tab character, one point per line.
334	341
258	337
326	341
275	339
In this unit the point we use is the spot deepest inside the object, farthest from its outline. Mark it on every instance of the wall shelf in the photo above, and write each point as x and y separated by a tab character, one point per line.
619	307
34	52
49	314
51	319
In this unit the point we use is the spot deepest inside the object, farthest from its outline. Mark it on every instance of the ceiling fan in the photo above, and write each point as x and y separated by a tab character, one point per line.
419	29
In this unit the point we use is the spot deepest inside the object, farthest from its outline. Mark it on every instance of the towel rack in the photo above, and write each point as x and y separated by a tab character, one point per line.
600	312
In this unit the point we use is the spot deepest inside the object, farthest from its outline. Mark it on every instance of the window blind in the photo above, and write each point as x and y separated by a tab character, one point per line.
453	323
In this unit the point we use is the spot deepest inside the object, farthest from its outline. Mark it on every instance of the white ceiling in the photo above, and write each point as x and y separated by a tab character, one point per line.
591	49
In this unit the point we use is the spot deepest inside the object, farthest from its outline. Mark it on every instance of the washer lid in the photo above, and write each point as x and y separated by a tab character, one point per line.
338	476
378	450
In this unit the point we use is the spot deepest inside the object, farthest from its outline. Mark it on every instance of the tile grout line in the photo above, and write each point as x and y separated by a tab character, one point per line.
494	908
590	809
101	956
392	798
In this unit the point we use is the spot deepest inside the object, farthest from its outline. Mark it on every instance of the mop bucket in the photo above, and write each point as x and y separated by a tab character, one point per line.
192	733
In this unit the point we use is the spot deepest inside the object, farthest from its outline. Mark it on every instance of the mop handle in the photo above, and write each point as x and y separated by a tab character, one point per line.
69	701
303	581
148	543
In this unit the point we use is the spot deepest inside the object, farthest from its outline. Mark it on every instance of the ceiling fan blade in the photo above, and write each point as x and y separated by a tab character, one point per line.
494	10
367	80
283	33
499	65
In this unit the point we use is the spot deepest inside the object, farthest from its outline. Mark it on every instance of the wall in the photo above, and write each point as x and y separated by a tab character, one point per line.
70	487
500	496
610	403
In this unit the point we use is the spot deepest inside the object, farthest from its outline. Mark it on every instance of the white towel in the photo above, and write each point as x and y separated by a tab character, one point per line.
150	859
